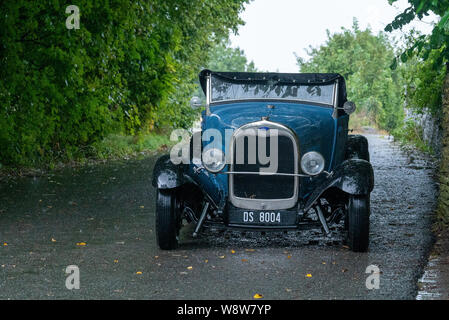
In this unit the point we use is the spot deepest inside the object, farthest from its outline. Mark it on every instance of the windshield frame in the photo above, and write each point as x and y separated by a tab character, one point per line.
289	99
209	102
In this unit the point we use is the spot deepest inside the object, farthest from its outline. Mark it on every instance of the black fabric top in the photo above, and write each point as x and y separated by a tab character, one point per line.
278	79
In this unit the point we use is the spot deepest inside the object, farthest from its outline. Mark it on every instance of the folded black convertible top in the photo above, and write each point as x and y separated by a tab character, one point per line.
278	79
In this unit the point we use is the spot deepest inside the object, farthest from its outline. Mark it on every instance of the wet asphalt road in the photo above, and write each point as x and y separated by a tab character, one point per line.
101	218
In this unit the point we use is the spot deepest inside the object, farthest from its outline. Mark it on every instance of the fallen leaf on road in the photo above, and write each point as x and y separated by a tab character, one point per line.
53	240
232	251
81	244
115	261
289	257
206	261
244	260
5	244
308	275
288	290
189	268
323	262
258	296
139	272
250	250
221	257
142	207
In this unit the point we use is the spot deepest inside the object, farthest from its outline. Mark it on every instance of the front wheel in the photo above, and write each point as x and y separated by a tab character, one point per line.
167	219
358	223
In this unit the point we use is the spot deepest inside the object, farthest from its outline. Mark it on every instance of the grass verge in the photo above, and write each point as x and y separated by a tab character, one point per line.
112	147
117	146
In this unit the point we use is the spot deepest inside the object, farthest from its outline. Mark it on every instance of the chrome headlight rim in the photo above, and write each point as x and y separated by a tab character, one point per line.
316	156
217	154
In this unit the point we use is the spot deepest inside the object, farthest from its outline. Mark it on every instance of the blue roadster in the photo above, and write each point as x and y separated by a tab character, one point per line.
273	153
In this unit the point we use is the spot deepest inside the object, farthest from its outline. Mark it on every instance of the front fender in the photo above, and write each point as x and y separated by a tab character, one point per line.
167	175
353	176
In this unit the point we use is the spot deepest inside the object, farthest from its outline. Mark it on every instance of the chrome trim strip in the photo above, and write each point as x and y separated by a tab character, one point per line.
265	204
278	174
335	113
276	99
208	94
270	174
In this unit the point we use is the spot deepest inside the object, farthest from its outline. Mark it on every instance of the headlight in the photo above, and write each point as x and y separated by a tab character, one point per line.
214	160
312	163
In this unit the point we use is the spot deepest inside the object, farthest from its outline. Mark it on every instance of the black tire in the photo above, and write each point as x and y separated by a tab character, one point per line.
358	223
167	219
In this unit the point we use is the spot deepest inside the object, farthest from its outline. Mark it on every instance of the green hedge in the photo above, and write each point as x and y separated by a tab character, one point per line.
129	68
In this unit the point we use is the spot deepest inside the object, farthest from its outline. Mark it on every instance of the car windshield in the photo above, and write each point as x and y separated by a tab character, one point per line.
227	91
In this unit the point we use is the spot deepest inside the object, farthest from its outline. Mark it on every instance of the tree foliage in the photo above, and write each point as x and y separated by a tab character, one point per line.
130	67
423	59
432	80
363	59
424	45
423	81
225	58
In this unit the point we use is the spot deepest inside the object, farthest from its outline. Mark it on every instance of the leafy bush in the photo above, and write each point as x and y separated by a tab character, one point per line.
364	60
128	69
412	134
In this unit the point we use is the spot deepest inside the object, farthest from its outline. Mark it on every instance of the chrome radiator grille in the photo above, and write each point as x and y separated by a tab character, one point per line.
261	191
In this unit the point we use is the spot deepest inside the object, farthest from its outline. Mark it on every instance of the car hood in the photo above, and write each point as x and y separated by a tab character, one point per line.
314	125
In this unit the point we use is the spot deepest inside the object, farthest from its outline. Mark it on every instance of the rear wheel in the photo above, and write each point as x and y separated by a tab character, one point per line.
358	223
167	219
357	147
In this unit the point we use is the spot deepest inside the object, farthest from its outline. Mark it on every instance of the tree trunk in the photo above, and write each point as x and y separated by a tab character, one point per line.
443	203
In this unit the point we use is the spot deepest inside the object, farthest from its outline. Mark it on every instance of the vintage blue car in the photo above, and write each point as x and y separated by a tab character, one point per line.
273	153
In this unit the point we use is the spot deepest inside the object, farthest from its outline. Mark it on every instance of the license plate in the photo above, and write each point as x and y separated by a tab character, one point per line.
262	218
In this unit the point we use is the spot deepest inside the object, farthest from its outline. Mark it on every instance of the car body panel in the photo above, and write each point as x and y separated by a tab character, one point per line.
317	127
314	126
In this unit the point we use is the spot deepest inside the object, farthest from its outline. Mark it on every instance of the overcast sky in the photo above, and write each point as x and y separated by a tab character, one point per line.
275	29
